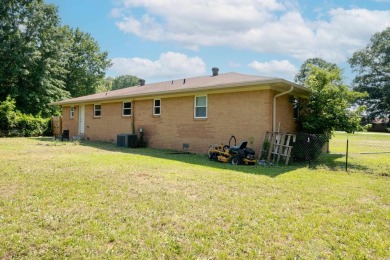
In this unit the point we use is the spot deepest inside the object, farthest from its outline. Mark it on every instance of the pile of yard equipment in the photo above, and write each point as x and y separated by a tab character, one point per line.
236	155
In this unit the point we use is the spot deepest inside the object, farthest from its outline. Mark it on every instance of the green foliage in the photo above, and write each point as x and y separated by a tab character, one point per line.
29	125
308	147
265	149
125	81
42	61
105	85
366	127
8	116
372	65
86	64
329	104
15	123
31	50
305	70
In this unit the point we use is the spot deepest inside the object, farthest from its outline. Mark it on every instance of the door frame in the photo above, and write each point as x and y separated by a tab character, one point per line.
81	119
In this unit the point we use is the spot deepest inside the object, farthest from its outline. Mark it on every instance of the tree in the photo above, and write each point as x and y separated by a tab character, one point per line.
31	50
105	85
125	81
42	61
372	65
329	104
305	70
86	64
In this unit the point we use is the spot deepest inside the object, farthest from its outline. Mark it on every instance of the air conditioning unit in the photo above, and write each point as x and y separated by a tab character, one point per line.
132	141
122	140
127	140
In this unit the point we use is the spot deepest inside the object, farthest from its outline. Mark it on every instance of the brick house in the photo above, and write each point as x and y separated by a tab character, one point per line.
196	111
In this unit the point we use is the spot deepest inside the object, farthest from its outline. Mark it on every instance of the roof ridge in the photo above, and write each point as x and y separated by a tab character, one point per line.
225	80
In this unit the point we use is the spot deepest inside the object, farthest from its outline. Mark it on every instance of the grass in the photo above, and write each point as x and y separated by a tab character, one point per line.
367	152
95	200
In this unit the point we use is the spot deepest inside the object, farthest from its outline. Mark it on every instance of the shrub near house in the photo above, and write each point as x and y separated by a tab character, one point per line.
15	123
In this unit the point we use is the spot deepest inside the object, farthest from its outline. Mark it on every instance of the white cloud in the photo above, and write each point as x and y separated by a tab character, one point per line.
234	64
269	26
169	65
116	13
275	68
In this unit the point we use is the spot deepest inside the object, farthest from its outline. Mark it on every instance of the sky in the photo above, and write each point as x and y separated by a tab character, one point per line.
161	40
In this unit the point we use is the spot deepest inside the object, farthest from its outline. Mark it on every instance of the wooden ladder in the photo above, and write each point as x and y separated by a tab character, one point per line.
279	146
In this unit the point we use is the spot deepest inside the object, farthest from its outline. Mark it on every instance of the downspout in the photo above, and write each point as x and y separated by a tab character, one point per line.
274	107
133	116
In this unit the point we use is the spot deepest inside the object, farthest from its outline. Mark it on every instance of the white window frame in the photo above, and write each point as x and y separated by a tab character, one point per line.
154	107
71	112
96	110
123	108
195	106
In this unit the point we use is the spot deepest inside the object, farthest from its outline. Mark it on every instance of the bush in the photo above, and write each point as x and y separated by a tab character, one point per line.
308	147
8	117
28	125
366	127
14	123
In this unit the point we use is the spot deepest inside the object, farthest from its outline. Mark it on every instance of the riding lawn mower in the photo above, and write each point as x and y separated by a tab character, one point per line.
236	155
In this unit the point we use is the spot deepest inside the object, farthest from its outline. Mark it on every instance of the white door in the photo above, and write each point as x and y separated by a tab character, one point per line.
81	119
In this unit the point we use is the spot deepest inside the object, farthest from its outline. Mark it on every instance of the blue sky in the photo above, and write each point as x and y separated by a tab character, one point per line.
162	40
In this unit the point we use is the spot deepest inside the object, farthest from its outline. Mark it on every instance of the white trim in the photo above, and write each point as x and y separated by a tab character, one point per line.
71	112
95	110
81	119
195	107
154	107
123	108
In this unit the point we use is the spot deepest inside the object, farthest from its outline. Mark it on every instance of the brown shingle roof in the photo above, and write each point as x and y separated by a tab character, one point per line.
222	81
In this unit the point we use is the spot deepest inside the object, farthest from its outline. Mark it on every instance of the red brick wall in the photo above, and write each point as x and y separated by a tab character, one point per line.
108	125
285	114
68	123
246	115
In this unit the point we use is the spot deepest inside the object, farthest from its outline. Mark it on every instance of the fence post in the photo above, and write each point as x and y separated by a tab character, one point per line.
346	156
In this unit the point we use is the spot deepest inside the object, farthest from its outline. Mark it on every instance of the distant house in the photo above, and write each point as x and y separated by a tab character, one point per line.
379	125
192	112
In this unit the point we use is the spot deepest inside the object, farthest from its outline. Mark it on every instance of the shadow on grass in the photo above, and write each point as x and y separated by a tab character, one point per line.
190	158
337	162
332	162
194	159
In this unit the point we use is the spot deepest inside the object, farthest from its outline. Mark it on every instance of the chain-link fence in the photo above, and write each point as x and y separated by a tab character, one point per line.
368	152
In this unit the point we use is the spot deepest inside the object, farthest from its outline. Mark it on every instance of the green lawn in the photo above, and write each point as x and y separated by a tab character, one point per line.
367	152
94	200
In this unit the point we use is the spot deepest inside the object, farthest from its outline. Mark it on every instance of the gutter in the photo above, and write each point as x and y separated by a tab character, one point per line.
274	106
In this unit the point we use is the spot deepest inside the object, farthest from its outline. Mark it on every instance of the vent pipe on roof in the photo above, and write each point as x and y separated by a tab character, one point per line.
142	82
215	71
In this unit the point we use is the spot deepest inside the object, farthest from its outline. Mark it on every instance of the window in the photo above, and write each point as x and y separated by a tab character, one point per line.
97	110
295	103
126	110
201	107
157	107
71	111
296	112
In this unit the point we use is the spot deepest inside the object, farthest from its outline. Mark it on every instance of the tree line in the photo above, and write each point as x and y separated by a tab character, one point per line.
43	61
